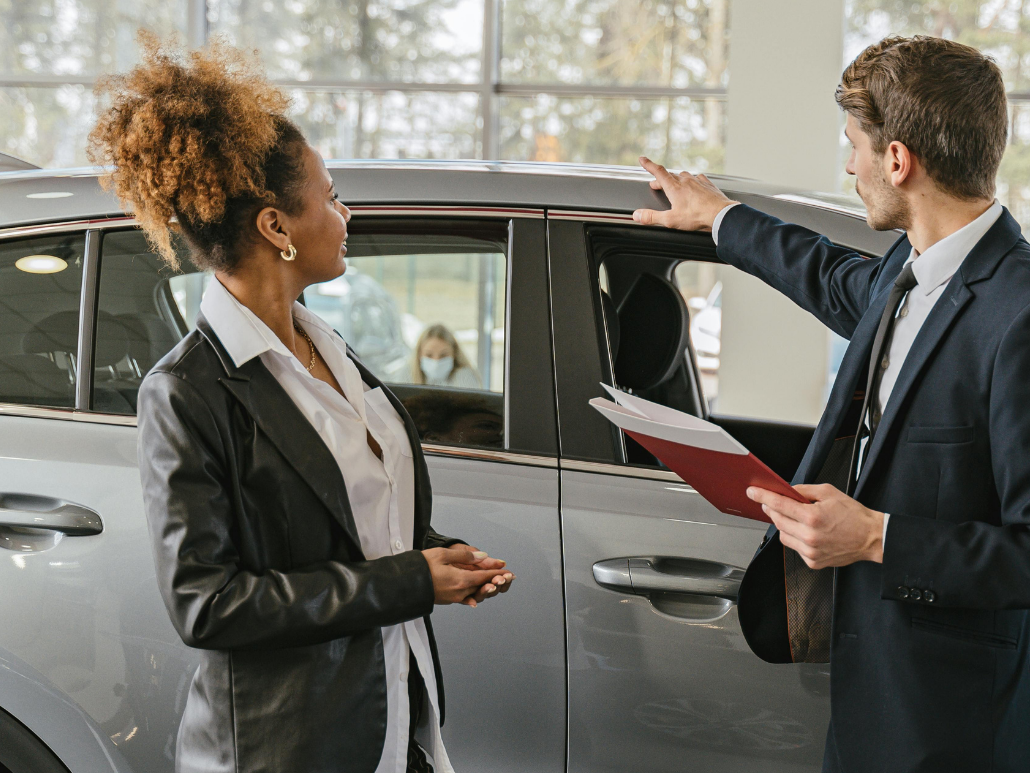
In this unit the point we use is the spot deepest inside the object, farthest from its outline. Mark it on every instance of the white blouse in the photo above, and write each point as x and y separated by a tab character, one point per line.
381	493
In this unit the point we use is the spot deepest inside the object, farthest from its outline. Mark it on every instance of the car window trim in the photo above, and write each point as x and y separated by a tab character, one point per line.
624	471
429	449
87	321
388	210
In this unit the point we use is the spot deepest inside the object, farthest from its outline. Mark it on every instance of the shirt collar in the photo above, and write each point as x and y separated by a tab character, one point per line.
940	262
240	330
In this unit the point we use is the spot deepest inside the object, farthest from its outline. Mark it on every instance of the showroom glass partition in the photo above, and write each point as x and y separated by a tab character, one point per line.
590	81
447	79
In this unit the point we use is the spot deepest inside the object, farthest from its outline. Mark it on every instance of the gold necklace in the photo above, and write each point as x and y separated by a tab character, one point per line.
307	338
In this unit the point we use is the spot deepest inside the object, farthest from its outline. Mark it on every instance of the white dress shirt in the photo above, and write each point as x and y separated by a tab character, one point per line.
933	270
381	492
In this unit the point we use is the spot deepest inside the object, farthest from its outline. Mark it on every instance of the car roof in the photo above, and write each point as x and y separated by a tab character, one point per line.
55	195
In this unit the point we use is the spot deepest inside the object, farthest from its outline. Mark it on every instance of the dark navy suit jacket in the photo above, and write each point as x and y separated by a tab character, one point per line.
917	685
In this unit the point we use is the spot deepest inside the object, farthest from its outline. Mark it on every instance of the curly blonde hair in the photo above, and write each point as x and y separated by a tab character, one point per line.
198	142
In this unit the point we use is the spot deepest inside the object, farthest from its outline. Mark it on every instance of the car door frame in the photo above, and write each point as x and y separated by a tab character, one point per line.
593	454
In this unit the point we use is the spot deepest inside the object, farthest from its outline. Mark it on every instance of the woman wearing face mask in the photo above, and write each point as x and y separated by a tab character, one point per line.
284	485
439	361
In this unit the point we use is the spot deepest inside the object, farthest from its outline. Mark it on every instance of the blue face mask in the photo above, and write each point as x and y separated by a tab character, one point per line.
436	370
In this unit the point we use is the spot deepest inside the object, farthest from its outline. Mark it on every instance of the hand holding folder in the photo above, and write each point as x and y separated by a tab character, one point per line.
718	467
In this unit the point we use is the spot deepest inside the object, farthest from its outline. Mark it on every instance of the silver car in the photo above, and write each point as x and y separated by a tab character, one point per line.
618	650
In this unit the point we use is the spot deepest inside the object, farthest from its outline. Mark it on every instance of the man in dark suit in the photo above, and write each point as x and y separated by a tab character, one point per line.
910	569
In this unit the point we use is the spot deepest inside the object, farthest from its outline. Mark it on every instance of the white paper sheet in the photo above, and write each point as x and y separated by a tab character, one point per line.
636	414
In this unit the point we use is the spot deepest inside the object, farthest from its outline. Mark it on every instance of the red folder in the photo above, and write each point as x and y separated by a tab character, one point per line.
706	457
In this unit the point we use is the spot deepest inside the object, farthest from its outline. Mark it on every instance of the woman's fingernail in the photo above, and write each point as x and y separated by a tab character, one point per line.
479	555
501	581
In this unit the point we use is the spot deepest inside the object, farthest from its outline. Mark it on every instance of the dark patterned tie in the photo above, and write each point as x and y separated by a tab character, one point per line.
879	361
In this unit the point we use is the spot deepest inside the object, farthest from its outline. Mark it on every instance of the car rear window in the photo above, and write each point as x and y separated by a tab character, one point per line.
40	291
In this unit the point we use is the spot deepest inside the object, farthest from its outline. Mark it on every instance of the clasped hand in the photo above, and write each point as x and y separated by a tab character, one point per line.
834	530
465	575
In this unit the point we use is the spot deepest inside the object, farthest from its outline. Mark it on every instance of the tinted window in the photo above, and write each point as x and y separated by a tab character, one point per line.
415	297
40	288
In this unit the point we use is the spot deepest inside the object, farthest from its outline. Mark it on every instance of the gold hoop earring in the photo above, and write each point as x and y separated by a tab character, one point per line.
291	256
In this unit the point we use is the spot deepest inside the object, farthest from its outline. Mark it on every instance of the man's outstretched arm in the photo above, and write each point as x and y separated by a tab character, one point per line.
832	282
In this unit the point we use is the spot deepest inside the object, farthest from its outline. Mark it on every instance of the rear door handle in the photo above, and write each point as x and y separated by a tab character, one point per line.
29	511
643	576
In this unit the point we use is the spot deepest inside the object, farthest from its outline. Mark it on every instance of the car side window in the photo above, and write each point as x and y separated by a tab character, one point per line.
40	291
421	304
759	355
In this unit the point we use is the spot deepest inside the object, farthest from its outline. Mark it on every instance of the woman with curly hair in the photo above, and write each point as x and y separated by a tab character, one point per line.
284	485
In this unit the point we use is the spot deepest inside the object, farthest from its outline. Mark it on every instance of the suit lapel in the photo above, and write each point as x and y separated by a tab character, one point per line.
978	266
282	422
936	326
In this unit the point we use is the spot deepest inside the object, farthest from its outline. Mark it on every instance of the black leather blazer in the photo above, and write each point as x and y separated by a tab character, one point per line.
259	565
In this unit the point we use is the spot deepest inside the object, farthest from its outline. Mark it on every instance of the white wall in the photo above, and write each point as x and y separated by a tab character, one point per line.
784	127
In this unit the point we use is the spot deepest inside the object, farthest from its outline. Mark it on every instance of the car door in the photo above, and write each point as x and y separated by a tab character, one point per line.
503	662
660	677
491	451
91	664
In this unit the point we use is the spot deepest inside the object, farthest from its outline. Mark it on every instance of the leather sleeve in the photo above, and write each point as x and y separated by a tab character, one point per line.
436	540
974	564
212	601
833	283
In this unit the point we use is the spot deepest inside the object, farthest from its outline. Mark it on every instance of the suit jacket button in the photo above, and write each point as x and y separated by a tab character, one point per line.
915	594
929	596
903	591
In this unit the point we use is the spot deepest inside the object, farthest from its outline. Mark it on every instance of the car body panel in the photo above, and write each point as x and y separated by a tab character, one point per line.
86	614
669	681
504	662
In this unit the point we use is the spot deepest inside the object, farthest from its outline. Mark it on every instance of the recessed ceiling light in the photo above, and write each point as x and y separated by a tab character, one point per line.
40	264
50	195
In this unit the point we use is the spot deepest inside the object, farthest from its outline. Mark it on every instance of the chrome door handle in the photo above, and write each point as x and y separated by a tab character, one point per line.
29	511
643	576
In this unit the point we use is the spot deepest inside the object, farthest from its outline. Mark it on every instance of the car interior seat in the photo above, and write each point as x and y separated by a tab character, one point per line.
648	340
43	372
653	333
116	377
150	339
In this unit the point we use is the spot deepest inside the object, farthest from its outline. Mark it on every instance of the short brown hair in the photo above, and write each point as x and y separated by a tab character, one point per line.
943	100
201	137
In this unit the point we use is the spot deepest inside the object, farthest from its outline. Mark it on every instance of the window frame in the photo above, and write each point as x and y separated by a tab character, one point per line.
582	356
530	415
87	306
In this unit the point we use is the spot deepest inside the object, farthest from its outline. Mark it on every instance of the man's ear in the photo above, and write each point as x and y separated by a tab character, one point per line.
899	163
270	226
